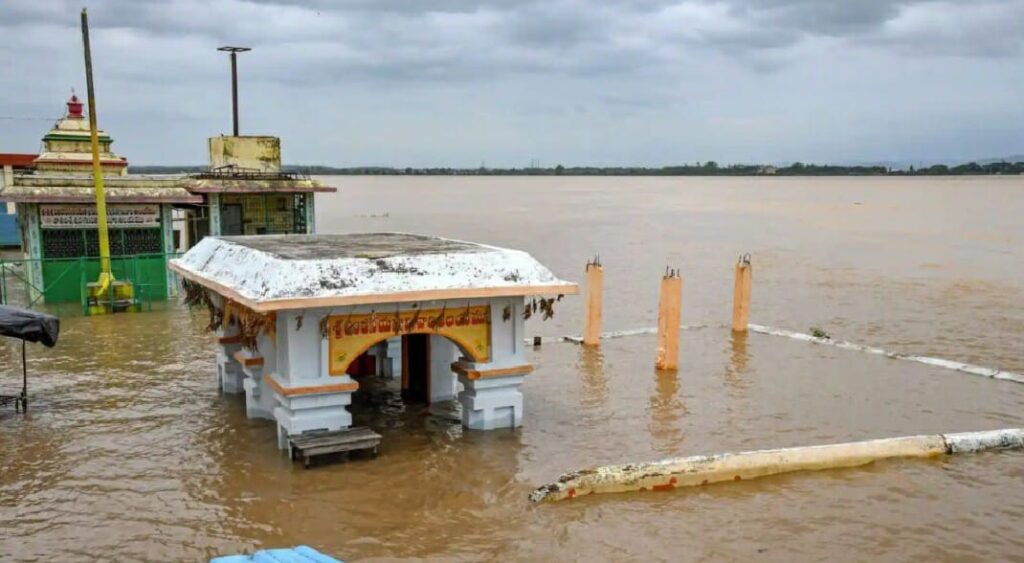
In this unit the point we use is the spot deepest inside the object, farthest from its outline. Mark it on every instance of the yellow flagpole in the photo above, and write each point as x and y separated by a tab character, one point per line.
106	277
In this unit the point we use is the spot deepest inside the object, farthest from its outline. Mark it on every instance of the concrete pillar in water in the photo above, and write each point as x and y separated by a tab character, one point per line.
229	372
259	399
491	401
306	396
741	294
490	396
669	311
392	359
595	290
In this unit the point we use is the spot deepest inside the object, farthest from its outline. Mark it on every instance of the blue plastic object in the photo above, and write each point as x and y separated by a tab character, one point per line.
9	233
300	554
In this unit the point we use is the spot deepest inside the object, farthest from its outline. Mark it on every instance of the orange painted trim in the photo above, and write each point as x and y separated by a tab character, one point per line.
474	374
293	391
376	298
248	361
229	340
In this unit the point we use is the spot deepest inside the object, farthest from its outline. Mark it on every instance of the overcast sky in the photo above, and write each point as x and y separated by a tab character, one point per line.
460	82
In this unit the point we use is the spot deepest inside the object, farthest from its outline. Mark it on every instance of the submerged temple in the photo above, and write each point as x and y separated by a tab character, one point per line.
295	315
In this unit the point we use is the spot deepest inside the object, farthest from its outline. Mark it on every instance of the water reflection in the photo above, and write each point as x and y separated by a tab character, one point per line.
594	394
736	368
666	410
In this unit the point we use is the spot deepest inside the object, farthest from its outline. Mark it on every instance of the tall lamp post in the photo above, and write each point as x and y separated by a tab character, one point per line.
234	80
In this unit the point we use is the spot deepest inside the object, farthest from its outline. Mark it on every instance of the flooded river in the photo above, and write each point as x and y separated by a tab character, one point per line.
130	454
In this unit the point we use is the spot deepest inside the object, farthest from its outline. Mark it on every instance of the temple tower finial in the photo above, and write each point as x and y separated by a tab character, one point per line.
74	107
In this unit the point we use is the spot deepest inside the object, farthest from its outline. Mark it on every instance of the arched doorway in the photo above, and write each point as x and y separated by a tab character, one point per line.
423	375
416	367
427	375
431	339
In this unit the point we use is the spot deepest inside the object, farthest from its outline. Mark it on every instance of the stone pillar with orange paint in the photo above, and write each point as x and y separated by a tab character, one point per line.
669	313
593	304
741	294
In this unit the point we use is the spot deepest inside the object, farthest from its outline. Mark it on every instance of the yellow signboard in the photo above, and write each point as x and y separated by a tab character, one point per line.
351	335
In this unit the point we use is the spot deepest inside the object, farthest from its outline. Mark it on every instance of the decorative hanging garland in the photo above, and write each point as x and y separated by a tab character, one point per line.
249	323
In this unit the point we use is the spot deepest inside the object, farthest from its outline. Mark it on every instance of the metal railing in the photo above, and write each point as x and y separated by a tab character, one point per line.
18	287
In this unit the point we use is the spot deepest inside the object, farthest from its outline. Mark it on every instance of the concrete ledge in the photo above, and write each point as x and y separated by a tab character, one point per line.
247	359
347	387
471	372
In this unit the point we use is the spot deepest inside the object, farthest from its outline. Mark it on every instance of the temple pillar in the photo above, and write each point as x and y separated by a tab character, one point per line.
167	232
229	372
32	243
306	397
490	396
259	401
213	202
392	359
8	178
494	402
310	214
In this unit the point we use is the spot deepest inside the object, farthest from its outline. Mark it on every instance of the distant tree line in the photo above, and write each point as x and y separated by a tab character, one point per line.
709	168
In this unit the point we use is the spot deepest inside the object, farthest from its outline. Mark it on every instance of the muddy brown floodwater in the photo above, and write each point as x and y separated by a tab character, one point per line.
129	453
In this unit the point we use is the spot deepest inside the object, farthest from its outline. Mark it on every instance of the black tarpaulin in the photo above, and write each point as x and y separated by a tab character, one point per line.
29	325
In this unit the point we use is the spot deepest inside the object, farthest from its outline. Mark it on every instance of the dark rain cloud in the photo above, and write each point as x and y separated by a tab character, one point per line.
471	36
635	55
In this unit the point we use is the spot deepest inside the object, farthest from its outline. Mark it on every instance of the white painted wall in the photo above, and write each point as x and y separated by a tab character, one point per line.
507	336
300	355
7	179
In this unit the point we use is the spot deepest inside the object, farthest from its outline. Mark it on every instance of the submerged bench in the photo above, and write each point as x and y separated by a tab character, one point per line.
311	444
8	399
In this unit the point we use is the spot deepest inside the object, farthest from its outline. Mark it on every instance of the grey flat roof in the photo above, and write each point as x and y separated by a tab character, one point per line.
354	245
272	272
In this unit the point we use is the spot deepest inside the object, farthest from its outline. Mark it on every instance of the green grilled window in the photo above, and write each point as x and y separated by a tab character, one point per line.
72	243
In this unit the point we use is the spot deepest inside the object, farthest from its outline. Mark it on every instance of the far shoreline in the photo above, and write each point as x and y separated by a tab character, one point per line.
708	169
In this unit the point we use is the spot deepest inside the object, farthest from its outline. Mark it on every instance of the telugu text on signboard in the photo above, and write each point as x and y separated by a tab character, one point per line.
68	216
351	335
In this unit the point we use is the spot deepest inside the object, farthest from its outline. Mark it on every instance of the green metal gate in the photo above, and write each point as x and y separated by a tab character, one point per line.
64	279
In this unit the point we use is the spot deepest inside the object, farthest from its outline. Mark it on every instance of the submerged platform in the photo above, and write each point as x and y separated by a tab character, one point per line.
312	444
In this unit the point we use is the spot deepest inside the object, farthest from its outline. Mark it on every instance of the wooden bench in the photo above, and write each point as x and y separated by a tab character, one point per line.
311	444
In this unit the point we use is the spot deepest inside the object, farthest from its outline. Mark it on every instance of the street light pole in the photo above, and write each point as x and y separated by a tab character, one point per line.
234	81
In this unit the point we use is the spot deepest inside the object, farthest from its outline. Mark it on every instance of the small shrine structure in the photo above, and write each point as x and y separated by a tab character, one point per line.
246	192
56	209
293	315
